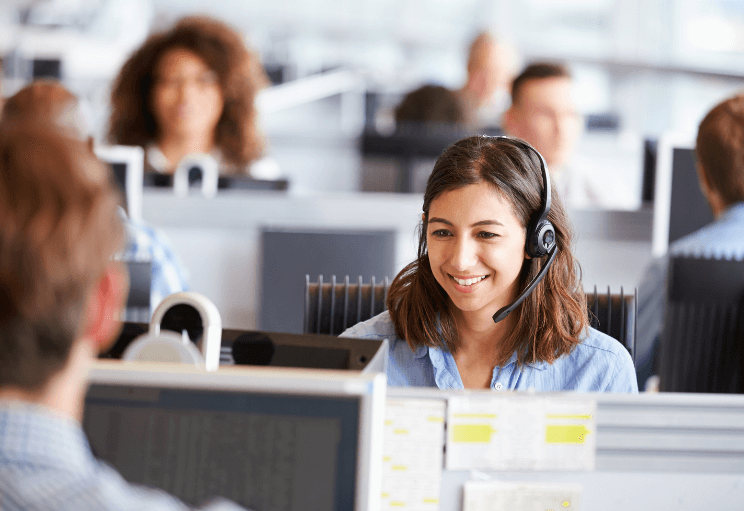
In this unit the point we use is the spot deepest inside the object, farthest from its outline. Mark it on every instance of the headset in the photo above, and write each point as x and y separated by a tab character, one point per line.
540	233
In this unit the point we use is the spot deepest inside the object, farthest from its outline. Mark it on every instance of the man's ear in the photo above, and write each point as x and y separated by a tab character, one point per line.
107	296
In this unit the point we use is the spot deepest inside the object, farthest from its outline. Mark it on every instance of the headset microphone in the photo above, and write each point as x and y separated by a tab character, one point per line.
504	311
540	235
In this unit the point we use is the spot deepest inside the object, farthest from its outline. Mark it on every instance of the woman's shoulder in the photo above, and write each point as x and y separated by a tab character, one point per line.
594	340
606	355
377	327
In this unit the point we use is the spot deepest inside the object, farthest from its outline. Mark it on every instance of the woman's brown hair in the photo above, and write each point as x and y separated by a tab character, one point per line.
222	49
550	320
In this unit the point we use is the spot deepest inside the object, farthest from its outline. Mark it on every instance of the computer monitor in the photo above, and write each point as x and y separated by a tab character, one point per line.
265	438
679	206
127	164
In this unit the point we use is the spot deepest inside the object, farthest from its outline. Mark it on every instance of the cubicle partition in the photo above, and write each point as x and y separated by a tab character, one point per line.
289	254
562	451
219	239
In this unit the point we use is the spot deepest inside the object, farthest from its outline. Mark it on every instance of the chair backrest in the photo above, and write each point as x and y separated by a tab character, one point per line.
340	305
615	315
703	328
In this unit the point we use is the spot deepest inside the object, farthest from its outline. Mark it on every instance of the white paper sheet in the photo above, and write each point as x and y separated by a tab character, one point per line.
521	433
511	496
412	454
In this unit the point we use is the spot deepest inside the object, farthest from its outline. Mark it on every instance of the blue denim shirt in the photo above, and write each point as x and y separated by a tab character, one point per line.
599	364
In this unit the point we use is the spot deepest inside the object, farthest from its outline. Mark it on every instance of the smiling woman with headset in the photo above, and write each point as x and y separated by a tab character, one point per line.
494	299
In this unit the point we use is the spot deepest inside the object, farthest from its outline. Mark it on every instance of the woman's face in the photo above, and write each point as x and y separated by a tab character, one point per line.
476	247
187	98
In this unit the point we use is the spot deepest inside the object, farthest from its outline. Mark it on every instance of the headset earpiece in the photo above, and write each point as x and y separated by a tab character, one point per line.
541	240
540	234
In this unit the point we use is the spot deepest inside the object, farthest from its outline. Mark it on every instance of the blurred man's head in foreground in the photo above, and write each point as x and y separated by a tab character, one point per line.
47	102
60	228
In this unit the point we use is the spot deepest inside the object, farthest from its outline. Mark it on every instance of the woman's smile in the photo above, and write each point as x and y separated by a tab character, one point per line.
467	284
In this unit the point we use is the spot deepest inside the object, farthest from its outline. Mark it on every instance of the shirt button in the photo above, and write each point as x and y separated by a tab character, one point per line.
498	386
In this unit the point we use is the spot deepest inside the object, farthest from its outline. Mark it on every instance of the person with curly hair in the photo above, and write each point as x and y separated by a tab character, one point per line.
454	315
190	89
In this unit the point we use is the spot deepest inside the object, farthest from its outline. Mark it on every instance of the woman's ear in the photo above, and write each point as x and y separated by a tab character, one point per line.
105	303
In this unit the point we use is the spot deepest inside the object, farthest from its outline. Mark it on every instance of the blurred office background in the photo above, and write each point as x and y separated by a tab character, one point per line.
339	68
641	68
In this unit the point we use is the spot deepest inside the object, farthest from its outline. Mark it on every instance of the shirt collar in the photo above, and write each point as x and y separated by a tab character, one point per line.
421	351
33	434
540	366
734	211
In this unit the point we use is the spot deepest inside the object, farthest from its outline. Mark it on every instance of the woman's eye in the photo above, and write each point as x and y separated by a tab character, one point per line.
487	235
441	233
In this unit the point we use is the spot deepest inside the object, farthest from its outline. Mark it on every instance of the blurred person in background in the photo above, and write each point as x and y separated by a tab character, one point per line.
49	103
430	104
490	69
719	149
544	113
191	90
60	292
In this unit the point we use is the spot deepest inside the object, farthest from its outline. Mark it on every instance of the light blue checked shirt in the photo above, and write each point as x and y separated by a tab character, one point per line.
599	364
721	239
46	464
146	243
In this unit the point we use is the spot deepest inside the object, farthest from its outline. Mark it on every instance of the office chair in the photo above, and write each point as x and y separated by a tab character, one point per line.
615	315
700	348
341	305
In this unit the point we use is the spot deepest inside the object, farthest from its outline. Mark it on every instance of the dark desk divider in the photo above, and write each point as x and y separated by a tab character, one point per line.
154	179
246	347
412	142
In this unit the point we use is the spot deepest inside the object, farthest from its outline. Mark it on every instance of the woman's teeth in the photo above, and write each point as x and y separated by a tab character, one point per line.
469	282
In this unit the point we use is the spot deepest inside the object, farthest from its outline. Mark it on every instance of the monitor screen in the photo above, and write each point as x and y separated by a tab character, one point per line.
119	170
127	166
679	205
689	210
260	448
